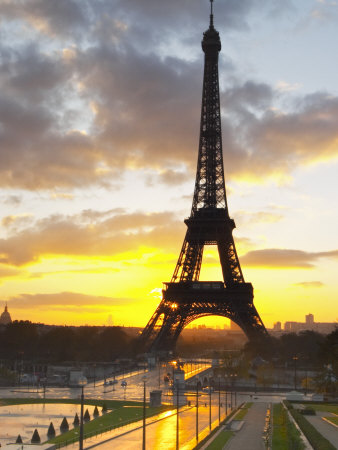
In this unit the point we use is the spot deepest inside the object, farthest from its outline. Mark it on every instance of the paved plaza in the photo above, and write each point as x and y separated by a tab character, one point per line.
160	430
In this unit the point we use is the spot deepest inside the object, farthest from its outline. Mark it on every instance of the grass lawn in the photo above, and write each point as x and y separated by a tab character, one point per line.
284	434
324	407
332	419
220	440
243	411
108	421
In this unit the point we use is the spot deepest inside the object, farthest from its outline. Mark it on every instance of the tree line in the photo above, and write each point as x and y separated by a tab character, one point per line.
24	340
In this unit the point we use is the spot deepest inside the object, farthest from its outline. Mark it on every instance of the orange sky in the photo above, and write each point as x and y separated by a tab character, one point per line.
99	124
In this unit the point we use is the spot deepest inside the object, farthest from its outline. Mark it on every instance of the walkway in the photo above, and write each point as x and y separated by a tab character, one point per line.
160	434
328	431
251	431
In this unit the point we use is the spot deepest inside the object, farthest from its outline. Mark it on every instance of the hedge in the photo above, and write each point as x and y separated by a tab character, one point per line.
317	441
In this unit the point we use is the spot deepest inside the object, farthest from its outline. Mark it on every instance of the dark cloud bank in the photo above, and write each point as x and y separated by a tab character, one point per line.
102	70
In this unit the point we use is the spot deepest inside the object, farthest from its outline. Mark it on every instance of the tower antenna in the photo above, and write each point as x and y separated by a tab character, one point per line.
211	14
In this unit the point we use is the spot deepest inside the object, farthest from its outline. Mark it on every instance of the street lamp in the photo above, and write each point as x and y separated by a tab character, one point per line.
144	414
159	373
219	399
177	412
197	381
81	421
235	390
295	358
209	403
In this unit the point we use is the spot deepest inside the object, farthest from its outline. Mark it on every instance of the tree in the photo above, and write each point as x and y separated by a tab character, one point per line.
86	416
51	431
76	421
64	425
36	437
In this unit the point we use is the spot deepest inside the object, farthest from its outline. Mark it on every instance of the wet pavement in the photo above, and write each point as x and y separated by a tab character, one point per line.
252	429
24	419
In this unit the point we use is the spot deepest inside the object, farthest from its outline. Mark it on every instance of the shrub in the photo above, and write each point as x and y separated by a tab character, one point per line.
51	430
76	421
36	437
86	416
64	425
308	412
317	441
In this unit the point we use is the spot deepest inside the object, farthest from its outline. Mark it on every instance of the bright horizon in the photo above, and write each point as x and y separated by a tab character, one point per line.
99	129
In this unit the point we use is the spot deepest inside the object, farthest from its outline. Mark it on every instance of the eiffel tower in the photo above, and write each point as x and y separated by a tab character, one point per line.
185	298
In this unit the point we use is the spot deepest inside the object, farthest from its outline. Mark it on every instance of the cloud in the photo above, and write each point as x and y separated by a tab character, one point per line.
284	258
13	200
98	236
103	97
72	18
6	272
47	16
245	217
14	221
69	301
266	141
310	284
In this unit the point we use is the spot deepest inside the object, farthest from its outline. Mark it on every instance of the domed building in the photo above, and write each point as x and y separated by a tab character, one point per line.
5	317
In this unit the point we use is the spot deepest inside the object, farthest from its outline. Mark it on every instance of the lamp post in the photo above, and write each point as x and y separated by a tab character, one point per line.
209	404
226	402
94	375
197	410
295	358
144	415
219	399
81	421
159	374
177	412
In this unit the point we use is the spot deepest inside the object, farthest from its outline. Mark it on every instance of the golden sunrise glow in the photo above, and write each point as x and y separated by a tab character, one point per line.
99	122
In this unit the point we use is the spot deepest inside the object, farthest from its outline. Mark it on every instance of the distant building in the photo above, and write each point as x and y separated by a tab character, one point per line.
309	319
311	325
277	326
5	317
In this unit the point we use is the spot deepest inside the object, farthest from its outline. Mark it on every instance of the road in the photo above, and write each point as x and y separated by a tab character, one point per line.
160	434
133	390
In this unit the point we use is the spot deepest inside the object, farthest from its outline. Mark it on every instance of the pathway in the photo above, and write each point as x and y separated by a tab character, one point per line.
328	431
251	431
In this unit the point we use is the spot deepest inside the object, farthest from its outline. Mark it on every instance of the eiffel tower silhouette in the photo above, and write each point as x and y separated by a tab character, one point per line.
185	298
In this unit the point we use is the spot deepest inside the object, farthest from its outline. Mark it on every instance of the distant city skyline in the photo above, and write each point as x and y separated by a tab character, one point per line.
99	124
288	326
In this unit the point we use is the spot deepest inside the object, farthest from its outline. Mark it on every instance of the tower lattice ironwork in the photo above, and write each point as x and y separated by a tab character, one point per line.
185	298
